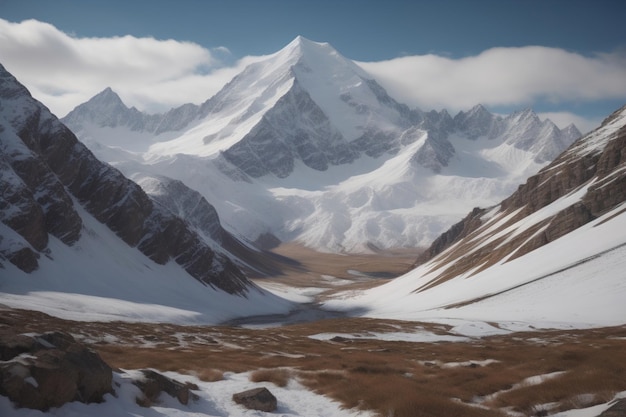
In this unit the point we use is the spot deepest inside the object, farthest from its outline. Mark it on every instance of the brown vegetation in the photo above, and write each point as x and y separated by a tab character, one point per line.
393	378
278	377
312	266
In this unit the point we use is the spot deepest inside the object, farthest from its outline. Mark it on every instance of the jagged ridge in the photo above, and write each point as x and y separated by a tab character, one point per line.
47	168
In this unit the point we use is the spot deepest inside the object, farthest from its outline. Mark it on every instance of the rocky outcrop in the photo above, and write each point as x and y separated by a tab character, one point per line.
49	370
434	154
257	399
478	122
294	129
184	202
458	231
153	384
47	173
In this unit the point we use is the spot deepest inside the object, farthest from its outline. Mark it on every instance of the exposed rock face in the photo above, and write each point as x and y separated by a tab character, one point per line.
434	154
50	370
594	167
184	202
257	399
294	129
46	171
458	231
201	216
154	383
477	122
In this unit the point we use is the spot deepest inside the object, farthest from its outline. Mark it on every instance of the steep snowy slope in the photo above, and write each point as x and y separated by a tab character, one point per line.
72	224
553	253
306	146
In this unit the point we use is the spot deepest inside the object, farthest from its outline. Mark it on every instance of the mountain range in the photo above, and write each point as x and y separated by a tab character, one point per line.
552	254
305	146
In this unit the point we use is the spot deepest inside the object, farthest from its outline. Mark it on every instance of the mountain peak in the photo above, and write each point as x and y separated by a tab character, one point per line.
301	43
105	109
305	50
107	96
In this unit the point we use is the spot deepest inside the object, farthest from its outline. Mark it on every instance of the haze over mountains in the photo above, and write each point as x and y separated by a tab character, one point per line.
305	146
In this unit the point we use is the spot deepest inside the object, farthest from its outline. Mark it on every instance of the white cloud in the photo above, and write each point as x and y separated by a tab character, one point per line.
63	71
502	77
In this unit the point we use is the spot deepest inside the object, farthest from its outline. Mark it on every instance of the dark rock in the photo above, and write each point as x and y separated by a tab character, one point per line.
296	128
616	410
257	399
155	383
453	234
435	153
12	344
50	370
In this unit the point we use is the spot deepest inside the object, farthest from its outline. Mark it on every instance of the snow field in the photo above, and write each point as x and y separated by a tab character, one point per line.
575	281
215	401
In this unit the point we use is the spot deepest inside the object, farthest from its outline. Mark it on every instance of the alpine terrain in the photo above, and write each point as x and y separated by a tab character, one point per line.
305	146
73	226
552	254
300	245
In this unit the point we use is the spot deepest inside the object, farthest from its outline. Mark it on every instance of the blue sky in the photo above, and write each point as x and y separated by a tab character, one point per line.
462	35
363	30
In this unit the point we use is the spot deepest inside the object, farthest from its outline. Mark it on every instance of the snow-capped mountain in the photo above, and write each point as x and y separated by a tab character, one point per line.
307	146
74	225
553	253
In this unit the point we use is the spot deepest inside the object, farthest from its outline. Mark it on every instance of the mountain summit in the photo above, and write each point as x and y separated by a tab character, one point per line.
313	149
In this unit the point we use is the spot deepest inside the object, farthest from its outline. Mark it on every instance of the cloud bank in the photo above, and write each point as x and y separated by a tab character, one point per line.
63	71
502	76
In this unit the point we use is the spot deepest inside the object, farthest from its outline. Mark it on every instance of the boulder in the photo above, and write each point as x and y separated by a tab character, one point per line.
256	399
154	383
49	370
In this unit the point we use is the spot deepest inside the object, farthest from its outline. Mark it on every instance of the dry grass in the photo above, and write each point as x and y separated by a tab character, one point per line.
278	377
313	265
393	378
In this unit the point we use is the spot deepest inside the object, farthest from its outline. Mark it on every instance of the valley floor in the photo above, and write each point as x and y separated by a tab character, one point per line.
327	363
354	367
321	363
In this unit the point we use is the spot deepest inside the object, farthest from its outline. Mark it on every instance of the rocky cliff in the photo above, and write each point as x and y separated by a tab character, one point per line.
49	178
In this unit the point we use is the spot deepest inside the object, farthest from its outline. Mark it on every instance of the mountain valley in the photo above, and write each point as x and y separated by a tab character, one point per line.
302	230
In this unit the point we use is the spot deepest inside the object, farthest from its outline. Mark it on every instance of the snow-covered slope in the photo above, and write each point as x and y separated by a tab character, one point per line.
78	236
552	254
307	146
